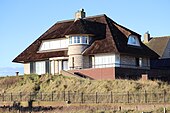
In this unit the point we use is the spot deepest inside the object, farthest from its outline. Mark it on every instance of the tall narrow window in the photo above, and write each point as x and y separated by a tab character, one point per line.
73	62
75	39
138	62
32	67
84	40
70	40
47	66
78	39
64	64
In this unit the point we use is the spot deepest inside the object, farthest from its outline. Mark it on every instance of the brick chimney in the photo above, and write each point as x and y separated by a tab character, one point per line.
146	37
80	14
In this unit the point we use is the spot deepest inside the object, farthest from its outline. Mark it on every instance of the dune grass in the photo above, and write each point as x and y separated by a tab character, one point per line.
58	83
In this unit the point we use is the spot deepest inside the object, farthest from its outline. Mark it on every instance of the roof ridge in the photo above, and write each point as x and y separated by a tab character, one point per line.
69	20
63	21
161	37
95	16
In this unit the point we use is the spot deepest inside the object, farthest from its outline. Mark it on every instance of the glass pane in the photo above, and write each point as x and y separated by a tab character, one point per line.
84	40
78	39
70	40
133	40
40	67
75	39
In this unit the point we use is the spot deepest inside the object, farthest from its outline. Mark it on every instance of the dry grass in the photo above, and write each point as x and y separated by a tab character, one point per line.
58	83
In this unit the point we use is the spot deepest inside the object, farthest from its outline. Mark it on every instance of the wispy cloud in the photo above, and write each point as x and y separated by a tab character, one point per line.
4	71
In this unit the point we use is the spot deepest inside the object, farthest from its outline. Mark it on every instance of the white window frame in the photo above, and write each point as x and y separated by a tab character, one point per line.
78	40
40	67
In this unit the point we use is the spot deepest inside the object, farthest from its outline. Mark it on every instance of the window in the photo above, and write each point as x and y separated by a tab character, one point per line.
102	61
75	39
70	40
84	40
138	62
73	62
78	40
40	67
54	44
133	40
65	65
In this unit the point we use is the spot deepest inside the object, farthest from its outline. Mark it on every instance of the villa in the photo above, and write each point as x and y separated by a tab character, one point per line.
94	47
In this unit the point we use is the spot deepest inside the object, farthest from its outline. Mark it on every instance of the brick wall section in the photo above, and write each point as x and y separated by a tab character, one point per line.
144	77
76	49
135	74
130	62
123	73
76	52
129	73
159	74
78	61
98	73
86	62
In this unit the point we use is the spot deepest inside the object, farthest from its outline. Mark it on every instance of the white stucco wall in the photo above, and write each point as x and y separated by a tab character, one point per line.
27	68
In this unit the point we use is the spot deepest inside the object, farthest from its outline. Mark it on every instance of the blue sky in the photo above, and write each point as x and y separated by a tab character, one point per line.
23	21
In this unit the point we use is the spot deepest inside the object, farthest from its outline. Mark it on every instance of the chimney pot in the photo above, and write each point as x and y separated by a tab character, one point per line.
17	73
80	14
146	37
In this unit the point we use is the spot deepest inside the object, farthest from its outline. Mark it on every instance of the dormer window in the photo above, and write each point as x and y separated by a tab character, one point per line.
54	44
78	40
133	40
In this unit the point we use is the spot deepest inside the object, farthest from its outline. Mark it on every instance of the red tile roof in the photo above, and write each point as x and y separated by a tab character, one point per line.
108	37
